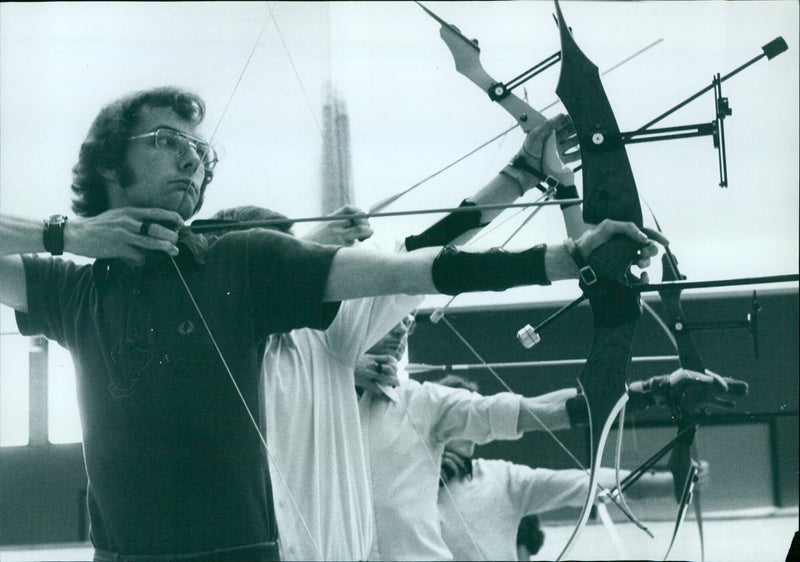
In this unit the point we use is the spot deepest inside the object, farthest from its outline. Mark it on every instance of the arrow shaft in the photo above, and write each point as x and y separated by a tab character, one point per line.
494	206
422	367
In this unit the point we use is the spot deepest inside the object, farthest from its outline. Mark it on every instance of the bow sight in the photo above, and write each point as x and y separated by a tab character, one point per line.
716	128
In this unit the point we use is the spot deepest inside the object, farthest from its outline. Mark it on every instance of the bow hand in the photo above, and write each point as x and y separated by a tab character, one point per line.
550	146
541	158
688	392
612	247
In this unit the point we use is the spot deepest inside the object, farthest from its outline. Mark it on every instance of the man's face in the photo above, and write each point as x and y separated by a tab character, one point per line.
394	343
162	178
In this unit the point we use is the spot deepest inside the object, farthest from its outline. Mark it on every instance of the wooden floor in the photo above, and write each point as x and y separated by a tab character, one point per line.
756	536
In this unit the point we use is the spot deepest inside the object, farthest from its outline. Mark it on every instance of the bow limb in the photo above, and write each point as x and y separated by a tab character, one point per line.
609	193
684	454
466	54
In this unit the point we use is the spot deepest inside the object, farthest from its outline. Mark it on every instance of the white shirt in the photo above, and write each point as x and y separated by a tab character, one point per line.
404	443
314	433
494	501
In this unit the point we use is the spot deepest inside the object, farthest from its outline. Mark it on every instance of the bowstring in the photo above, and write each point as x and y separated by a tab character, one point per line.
547	430
271	17
437	467
243	401
262	438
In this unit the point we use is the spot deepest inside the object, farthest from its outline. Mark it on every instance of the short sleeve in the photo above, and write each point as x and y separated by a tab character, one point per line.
54	296
282	279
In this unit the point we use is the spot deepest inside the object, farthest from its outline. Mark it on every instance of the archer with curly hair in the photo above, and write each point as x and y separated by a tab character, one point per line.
103	151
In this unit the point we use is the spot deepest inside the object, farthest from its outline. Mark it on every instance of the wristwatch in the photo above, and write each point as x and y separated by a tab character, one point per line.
53	235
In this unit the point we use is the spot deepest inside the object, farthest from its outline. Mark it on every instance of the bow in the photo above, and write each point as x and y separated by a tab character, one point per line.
466	54
684	453
609	193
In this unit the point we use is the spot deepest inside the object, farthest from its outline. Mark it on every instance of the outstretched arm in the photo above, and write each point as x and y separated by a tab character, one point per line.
548	411
542	154
115	233
359	272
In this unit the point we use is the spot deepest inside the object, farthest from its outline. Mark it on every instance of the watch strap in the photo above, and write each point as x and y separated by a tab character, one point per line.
53	235
586	274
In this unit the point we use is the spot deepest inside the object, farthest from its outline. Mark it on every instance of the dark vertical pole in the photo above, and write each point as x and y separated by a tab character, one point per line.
774	455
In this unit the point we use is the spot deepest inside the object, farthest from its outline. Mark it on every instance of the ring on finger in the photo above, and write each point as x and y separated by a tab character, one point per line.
145	228
379	367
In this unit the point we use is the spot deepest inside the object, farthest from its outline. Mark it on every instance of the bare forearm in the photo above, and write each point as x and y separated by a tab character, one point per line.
502	189
361	272
20	236
559	263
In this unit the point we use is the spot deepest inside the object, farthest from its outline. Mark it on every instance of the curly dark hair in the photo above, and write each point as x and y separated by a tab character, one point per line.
106	144
248	213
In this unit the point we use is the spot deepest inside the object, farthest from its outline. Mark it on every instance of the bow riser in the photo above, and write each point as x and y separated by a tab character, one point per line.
606	168
609	192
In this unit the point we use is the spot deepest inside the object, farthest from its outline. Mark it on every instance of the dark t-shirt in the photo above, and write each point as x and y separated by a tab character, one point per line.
174	462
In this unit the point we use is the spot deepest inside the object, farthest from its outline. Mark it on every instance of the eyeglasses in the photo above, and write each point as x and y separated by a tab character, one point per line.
178	143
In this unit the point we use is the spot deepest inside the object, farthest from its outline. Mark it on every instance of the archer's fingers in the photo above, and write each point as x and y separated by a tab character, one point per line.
633	279
718	379
388	379
656	236
347	210
360	232
566	142
724	403
370	386
569	155
610	228
534	142
563	126
154	215
139	241
157	230
455	462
